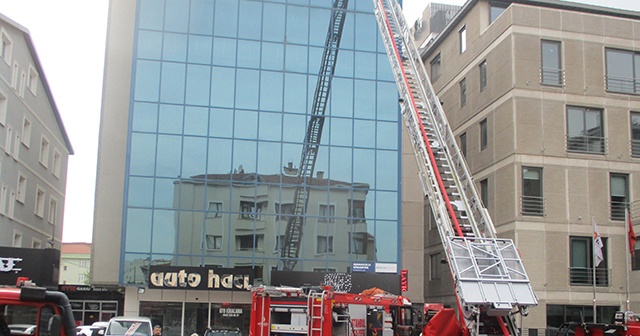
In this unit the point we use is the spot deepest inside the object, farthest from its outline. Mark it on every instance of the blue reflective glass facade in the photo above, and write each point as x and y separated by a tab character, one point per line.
222	93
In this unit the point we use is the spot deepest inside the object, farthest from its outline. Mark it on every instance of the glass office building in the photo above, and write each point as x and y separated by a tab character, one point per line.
222	93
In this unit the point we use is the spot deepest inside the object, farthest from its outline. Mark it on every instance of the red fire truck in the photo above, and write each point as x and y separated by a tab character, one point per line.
26	309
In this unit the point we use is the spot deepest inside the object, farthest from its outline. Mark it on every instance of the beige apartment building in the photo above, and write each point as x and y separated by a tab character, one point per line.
544	99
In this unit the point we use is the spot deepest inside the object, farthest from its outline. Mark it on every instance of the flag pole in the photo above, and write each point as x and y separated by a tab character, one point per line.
627	222
593	264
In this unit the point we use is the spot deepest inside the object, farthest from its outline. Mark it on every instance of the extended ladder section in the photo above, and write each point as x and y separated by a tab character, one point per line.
295	222
488	273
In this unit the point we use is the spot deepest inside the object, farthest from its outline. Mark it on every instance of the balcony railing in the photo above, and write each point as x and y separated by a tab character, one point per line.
622	84
617	210
586	144
532	205
552	76
635	148
581	276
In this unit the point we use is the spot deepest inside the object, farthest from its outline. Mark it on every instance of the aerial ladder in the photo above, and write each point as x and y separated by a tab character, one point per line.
295	222
489	278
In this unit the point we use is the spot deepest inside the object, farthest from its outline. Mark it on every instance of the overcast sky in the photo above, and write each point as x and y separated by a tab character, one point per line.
69	37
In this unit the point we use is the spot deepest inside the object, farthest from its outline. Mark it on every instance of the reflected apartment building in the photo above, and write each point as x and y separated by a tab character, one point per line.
206	105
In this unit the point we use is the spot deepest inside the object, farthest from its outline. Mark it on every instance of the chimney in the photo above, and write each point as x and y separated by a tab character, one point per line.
320	174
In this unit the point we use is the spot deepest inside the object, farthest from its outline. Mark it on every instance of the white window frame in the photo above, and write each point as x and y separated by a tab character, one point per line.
57	163
15	74
4	107
4	193
12	203
8	144
52	216
463	39
6	46
16	145
213	212
17	238
23	83
44	151
26	132
21	188
32	79
36	243
41	196
329	213
214	247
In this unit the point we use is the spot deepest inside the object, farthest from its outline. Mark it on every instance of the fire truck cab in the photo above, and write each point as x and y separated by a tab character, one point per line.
38	311
288	311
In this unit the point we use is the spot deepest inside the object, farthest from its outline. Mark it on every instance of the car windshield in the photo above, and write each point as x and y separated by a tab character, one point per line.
128	328
224	332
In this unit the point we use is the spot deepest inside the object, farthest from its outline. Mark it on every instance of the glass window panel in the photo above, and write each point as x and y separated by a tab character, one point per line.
219	122
139	191
149	44
495	11
319	20
387	101
386	239
145	117
170	119
138	231
363	161
295	94
219	156
226	19
291	153
618	186
133	264
272	56
193	162
365	65
294	128
271	91
164	232
579	252
248	54
247	91
575	123
384	69
198	79
340	164
273	22
168	159
635	126
593	122
143	149
387	135
366	32
177	17
224	51
200	49
345	65
364	104
147	80
270	126
531	183
296	58
341	131
244	153
246	124
298	25
250	19
174	47
619	64
269	158
172	85
551	54
151	14
196	120
223	83
387	170
386	205
341	97
163	193
364	133
348	33
201	17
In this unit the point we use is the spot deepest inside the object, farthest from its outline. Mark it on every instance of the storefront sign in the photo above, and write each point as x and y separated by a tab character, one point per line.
39	265
348	282
230	312
170	277
362	266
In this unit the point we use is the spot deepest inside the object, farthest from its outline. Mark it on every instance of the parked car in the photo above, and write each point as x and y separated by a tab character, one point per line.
22	329
90	330
131	326
222	331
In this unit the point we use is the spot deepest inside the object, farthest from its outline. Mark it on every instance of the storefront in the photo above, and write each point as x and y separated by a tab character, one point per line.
93	304
41	266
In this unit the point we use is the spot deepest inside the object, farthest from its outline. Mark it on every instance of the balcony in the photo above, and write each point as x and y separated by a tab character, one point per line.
617	210
622	84
635	148
532	205
581	276
552	76
586	144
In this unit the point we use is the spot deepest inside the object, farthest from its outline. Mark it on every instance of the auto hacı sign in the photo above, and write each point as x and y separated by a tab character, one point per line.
199	278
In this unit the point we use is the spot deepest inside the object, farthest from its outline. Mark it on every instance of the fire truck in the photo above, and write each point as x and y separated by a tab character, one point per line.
26	309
